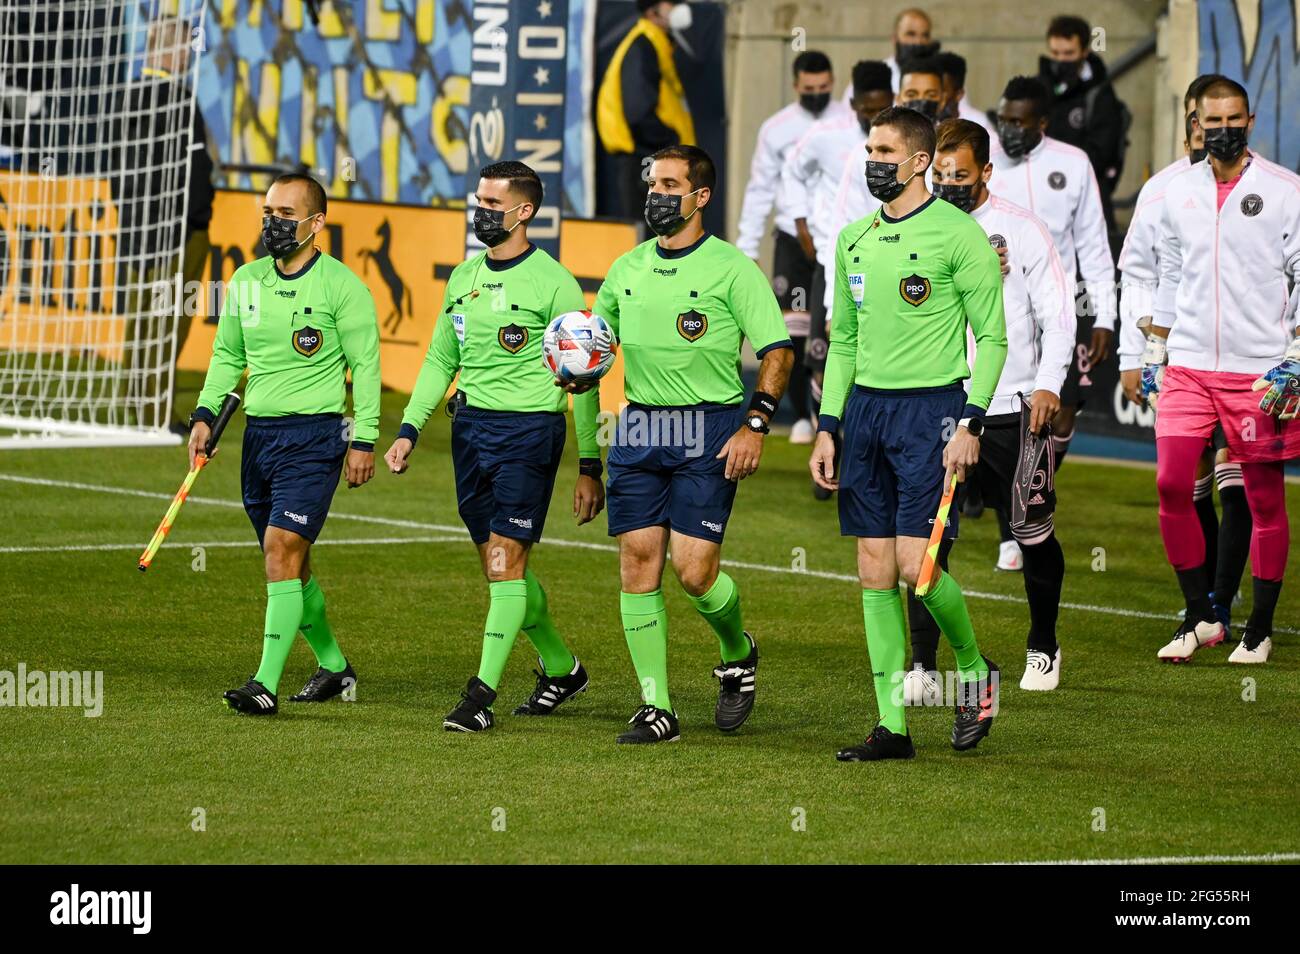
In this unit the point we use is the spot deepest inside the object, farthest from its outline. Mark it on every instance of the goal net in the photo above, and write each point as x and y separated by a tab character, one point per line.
96	120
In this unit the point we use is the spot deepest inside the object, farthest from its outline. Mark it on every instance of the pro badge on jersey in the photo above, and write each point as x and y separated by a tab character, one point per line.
307	341
914	289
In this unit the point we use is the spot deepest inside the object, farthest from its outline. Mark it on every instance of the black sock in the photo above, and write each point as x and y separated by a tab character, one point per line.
1234	543
1260	623
1044	571
1004	526
1060	447
1203	500
1196	594
925	631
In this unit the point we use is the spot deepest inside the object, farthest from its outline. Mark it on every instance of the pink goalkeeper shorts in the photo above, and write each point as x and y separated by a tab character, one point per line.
1191	402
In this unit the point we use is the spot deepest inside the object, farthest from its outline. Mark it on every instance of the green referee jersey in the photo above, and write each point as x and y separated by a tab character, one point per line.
494	315
680	316
298	335
905	292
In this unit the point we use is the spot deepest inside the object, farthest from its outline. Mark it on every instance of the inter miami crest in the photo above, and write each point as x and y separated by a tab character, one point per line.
513	338
1056	180
915	290
1252	205
998	240
307	341
691	325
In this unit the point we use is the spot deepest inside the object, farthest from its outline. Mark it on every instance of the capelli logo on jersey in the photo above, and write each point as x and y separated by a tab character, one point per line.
691	325
513	338
891	238
666	272
287	292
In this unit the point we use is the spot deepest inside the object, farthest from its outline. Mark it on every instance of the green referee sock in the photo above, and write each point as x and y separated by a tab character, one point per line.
541	632
645	625
948	607
283	617
504	620
720	607
882	615
316	629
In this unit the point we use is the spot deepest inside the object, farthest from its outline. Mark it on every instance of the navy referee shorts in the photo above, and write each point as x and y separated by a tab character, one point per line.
891	475
290	470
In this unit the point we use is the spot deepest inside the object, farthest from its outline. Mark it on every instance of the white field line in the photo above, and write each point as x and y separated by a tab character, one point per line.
460	534
1273	857
227	544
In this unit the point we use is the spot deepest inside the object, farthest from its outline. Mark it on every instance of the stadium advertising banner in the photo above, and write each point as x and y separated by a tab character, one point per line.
517	96
375	96
405	255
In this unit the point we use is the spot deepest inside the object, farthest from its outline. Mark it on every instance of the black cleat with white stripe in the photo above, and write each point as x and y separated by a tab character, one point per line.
552	691
325	685
252	698
474	714
736	689
651	725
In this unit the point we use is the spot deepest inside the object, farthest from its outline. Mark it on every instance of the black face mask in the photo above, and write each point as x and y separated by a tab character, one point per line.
882	180
1225	143
1018	141
280	236
908	51
929	108
1064	72
490	226
815	103
962	196
1197	155
663	213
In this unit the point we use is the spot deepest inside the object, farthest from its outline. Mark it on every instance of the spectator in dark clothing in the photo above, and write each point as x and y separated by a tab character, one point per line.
641	105
1085	111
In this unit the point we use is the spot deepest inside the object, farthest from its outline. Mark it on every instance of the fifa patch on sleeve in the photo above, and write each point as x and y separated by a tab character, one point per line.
458	325
858	286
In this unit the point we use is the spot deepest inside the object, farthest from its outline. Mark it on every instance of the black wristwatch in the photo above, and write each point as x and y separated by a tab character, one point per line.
973	425
590	467
756	424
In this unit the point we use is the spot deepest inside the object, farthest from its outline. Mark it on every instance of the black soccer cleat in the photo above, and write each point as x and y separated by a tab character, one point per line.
252	698
651	725
552	691
474	714
325	685
880	744
736	689
977	704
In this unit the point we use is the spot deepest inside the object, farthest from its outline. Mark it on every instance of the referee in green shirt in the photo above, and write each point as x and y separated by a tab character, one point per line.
910	279
508	433
680	305
298	321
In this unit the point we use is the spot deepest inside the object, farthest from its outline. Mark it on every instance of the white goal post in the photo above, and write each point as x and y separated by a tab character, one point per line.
96	115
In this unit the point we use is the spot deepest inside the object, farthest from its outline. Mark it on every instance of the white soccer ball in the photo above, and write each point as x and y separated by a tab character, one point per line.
578	347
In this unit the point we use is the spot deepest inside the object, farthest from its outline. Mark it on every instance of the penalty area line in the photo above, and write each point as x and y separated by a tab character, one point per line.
461	534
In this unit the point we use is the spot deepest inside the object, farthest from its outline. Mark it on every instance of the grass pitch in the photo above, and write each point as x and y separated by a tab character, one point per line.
1175	760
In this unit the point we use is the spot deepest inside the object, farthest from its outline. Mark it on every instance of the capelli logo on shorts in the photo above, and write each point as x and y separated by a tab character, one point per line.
710	525
521	522
74	907
296	517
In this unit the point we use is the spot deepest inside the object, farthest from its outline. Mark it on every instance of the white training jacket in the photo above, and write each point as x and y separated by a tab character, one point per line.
1226	275
776	137
811	171
1139	263
1038	301
1055	181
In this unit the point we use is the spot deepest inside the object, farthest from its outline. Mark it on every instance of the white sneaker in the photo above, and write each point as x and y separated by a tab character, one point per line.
1009	557
1042	672
802	432
1257	655
920	689
1187	641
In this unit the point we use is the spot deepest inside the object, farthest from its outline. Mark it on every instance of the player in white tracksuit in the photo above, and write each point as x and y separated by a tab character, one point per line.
1227	540
793	258
1229	252
1056	182
1040	321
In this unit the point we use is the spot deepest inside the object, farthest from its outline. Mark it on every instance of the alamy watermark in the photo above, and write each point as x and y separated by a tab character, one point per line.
653	427
39	689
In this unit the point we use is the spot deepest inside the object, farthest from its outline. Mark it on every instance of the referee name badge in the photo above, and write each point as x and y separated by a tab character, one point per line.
691	325
513	338
915	290
458	325
858	287
307	341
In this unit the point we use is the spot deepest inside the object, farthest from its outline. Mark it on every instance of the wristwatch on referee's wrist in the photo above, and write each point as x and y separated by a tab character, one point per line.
756	424
974	425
